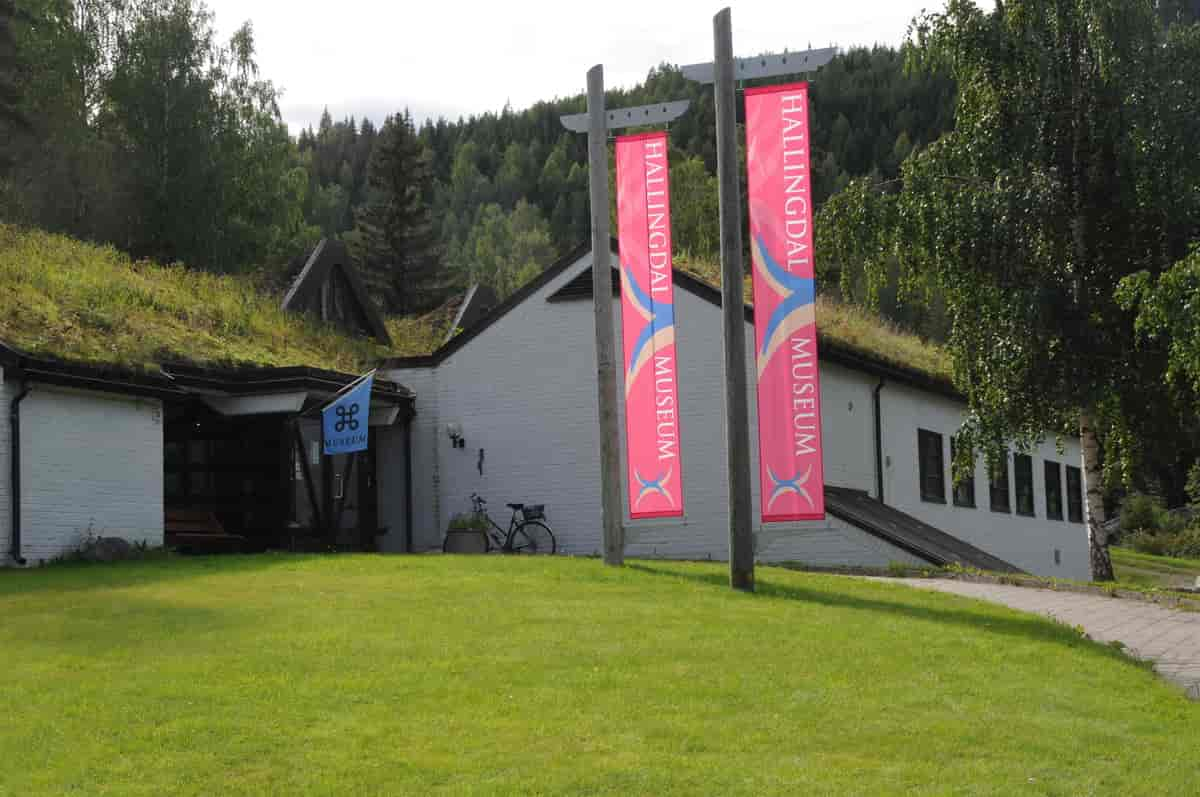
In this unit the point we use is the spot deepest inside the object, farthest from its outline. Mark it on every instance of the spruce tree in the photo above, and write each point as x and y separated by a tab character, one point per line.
394	237
12	117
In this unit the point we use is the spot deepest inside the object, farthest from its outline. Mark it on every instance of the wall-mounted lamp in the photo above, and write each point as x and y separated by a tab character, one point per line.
456	435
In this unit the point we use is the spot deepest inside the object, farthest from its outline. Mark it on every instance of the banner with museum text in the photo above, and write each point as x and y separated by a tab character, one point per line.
648	327
785	333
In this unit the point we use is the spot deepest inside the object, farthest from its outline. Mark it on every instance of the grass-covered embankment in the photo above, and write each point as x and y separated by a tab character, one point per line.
1148	570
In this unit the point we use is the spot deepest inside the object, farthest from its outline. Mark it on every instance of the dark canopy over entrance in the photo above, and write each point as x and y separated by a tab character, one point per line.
244	470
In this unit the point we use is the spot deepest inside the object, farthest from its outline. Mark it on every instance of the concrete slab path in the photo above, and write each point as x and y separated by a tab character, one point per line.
1167	637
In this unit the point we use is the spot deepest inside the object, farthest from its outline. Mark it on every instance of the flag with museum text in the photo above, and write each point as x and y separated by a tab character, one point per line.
648	327
345	420
785	333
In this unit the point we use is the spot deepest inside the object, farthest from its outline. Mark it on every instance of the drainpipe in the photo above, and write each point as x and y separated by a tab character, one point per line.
879	443
14	416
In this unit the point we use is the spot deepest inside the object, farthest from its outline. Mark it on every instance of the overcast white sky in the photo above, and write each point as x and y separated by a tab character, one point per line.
456	57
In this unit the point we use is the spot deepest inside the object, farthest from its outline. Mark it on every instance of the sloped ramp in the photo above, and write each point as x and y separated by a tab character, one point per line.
905	531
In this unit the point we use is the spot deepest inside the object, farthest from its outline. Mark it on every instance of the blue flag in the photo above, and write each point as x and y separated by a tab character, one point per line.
344	422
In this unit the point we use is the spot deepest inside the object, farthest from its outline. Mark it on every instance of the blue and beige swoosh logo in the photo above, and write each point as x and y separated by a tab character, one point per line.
656	486
796	309
794	485
656	333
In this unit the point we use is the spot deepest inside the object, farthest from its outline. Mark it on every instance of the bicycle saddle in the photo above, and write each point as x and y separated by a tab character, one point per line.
516	507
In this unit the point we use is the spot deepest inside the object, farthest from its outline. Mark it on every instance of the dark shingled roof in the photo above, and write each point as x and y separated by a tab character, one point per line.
906	532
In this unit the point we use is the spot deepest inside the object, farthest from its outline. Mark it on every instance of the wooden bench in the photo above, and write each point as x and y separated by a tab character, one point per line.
198	531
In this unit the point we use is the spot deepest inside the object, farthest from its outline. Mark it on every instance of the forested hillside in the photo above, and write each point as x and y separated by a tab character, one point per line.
508	189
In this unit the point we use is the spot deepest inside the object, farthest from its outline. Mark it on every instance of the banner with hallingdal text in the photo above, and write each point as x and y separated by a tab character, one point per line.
346	420
785	332
648	327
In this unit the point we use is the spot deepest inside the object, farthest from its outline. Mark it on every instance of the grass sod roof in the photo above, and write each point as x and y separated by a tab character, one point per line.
854	327
86	303
83	302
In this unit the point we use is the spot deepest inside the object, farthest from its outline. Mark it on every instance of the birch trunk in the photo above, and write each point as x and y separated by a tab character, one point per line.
1102	569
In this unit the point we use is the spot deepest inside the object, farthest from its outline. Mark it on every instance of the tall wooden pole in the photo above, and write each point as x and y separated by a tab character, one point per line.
606	373
737	410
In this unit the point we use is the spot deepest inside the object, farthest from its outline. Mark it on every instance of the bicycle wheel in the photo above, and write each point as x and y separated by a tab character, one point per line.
533	537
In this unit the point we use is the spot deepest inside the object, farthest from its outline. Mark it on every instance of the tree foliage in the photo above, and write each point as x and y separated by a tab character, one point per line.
868	115
1068	169
393	234
148	133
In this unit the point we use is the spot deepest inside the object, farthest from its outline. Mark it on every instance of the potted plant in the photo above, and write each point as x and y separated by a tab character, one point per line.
467	533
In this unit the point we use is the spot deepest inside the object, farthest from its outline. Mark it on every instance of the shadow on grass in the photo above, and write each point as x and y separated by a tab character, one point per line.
83	576
129	626
1035	628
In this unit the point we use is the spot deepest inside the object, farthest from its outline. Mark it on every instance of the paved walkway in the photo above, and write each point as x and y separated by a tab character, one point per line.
1169	638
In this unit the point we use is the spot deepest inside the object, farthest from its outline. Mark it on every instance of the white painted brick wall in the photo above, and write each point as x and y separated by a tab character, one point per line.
524	392
1027	542
90	461
389	474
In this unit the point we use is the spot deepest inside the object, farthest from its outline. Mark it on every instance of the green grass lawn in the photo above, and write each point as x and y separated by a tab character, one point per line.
1148	570
501	675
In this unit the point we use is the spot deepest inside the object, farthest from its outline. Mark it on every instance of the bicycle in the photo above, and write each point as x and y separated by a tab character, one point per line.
528	535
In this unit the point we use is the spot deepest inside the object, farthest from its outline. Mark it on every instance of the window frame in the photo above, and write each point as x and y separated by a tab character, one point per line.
967	483
1026	460
1077	515
924	437
994	484
1049	466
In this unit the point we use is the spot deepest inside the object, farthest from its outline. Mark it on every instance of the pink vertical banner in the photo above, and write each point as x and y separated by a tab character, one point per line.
648	327
785	332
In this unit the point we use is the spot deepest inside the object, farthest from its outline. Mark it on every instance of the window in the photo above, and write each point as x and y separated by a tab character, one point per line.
1053	490
929	459
1074	495
1023	468
964	490
998	485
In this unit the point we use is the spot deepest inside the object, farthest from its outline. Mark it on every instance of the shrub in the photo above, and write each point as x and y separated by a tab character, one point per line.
467	521
1142	513
1183	544
1192	486
1146	542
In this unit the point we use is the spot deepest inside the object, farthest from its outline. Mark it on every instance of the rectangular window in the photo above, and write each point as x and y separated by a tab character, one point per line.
1053	490
998	485
932	466
1023	470
964	490
1074	495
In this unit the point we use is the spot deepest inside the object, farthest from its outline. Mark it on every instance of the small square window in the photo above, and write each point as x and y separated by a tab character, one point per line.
931	466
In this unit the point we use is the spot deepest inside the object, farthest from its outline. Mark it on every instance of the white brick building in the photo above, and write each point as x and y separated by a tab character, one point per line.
99	452
521	384
106	452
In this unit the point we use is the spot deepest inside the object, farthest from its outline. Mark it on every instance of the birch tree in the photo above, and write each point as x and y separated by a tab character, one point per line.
1071	165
